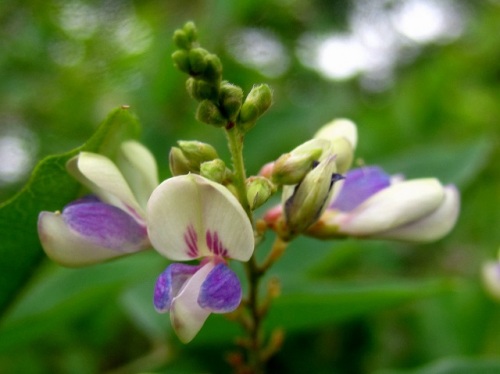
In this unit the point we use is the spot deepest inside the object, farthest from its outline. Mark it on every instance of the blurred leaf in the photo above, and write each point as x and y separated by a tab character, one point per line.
454	366
457	164
319	304
63	294
49	188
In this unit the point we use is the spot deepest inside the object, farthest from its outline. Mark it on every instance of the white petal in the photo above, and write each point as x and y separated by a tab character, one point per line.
491	278
392	207
339	128
139	169
433	226
67	247
186	315
102	177
190	216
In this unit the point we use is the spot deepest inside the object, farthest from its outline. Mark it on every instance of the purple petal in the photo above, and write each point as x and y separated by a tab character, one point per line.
359	185
105	225
169	284
221	290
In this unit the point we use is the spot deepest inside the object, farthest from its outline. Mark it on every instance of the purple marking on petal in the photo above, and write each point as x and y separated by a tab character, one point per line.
191	240
105	225
221	290
169	284
214	244
359	185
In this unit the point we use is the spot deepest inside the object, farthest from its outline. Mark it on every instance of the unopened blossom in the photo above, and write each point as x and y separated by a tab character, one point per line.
309	172
109	223
371	204
193	218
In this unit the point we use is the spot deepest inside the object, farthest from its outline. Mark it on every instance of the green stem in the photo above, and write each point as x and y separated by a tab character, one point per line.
235	142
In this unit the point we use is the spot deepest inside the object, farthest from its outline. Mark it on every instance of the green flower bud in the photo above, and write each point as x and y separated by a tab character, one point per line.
308	200
190	31
214	170
213	70
259	190
256	103
179	165
207	112
197	152
181	60
200	90
292	167
231	98
181	40
197	60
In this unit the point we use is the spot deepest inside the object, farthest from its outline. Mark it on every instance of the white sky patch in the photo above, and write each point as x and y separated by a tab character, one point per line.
16	158
133	35
78	20
377	39
260	50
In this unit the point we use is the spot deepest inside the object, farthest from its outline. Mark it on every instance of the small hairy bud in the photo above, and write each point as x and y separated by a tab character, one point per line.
256	104
181	40
197	60
207	112
197	152
259	190
231	98
214	170
181	60
178	163
201	90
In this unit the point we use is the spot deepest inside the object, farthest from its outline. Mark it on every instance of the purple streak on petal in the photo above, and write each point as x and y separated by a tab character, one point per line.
169	284
105	225
214	244
221	290
191	240
359	185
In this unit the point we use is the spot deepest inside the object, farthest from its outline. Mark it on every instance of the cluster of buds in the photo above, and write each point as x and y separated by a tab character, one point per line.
220	102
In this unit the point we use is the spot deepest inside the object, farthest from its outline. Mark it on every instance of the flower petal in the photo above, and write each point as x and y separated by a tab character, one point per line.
186	315
491	278
88	233
339	128
392	207
359	185
221	290
433	226
139	169
101	176
190	217
170	283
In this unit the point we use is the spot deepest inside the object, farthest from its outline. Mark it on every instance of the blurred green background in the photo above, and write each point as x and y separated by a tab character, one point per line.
421	78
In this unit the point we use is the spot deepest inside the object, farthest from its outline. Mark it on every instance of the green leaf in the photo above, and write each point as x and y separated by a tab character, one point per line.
454	366
458	164
319	304
49	188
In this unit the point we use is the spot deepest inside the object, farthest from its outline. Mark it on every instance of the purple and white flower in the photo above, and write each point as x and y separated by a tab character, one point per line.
191	217
371	204
109	223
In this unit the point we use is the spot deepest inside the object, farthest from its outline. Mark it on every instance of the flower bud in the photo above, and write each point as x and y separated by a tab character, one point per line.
309	199
197	152
207	112
231	98
201	90
491	278
292	167
214	170
339	128
344	153
181	40
197	60
181	60
256	103
259	190
190	31
179	165
213	70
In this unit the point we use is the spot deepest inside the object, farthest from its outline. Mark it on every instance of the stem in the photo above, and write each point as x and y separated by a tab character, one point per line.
235	142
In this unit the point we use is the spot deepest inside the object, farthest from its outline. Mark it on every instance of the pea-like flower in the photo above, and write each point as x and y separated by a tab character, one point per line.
189	218
111	222
371	204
